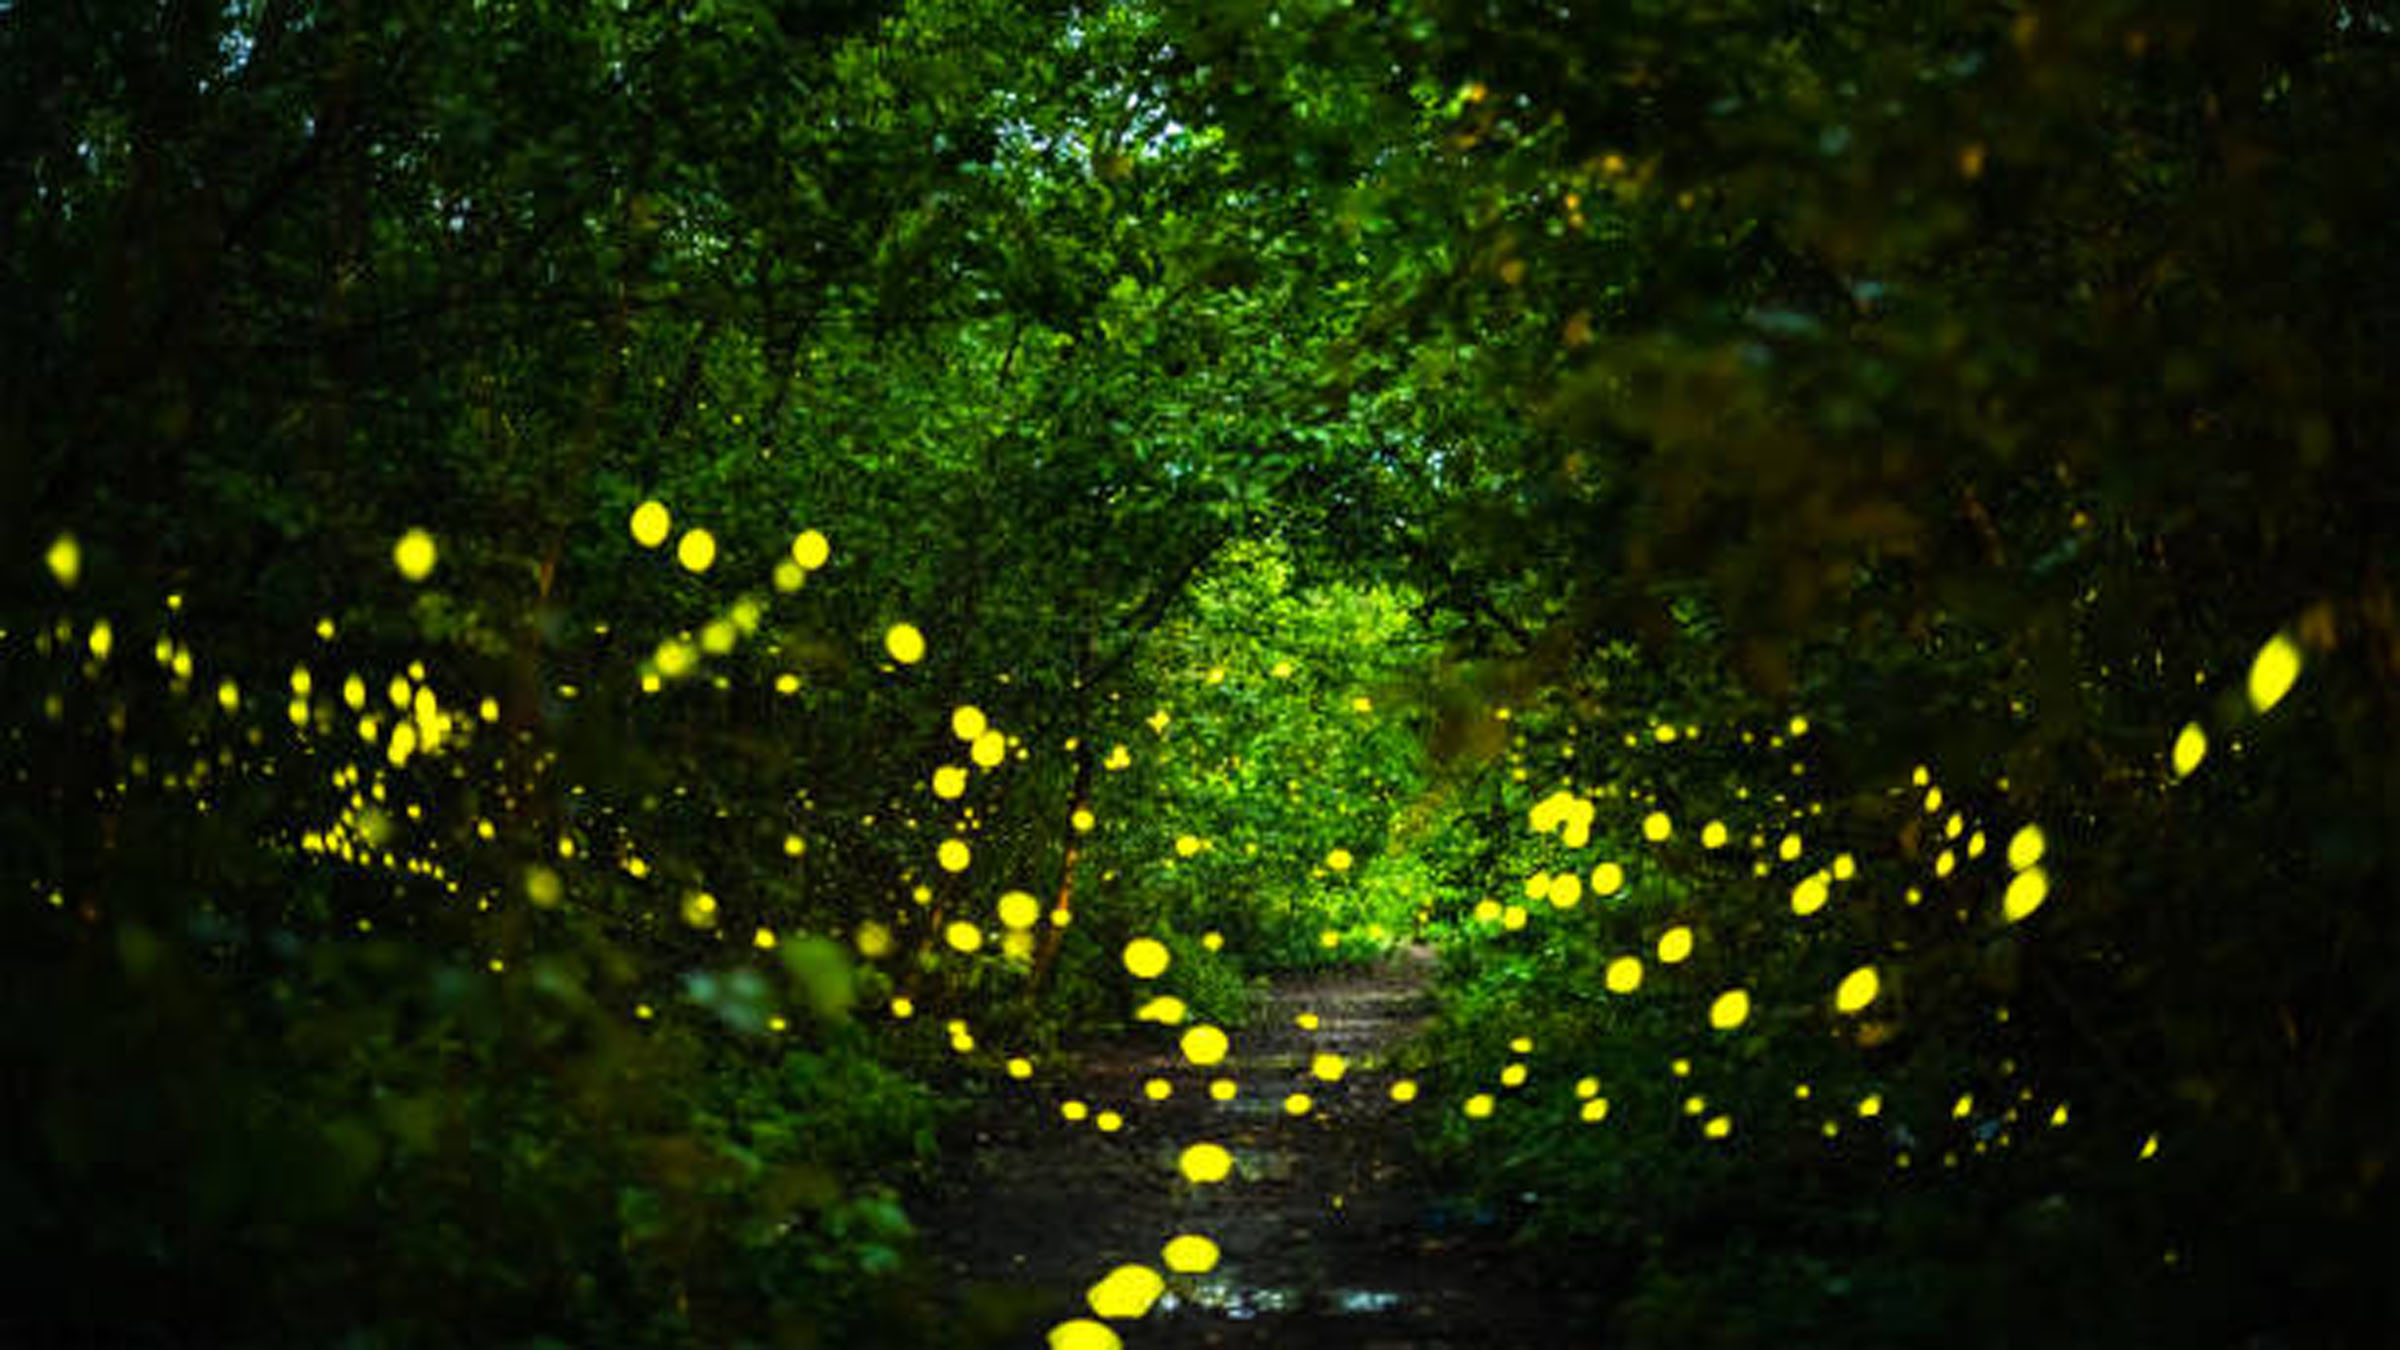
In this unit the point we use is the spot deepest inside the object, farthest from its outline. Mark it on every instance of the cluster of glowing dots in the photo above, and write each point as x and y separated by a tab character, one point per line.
1567	814
2030	885
1128	1292
2274	669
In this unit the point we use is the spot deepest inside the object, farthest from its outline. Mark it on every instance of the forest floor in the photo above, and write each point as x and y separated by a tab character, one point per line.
1332	1232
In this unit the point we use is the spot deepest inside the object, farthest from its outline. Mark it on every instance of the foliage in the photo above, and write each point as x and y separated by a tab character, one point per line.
1216	473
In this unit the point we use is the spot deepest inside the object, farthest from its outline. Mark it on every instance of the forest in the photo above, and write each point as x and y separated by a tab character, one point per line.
1172	673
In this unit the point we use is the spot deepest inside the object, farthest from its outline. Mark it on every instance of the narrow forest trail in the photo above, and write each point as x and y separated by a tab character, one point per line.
1330	1231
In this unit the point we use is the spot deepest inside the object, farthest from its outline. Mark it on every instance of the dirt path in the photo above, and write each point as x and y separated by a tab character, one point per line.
1330	1234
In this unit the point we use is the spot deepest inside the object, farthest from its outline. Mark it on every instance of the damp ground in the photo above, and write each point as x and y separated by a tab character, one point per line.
1331	1231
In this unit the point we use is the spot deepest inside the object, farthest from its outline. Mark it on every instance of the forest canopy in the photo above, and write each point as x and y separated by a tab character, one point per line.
610	613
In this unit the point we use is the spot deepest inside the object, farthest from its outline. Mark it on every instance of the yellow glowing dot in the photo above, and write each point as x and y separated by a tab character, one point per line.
1187	845
542	887
696	551
1019	910
1213	940
1206	1164
1223	1089
903	1009
954	855
1788	848
1933	800
414	555
1871	1106
1624	975
1513	1076
1108	1122
1073	1110
1190	1254
1084	1334
1404	1090
810	550
65	560
873	940
2059	1116
1712	835
1607	879
1731	1009
2149	1148
2191	746
1521	1045
700	909
1844	867
2273	671
1857	990
1674	945
1656	827
1298	1104
1306	1021
1718	1128
1020	1068
1595	1110
650	524
967	722
1204	1045
1158	1089
1478	1106
905	643
1126	1292
963	936
1082	820
1799	726
1810	894
1146	958
1328	1067
1566	890
2025	894
1964	1106
763	939
1338	860
988	750
1166	1010
949	782
2026	847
